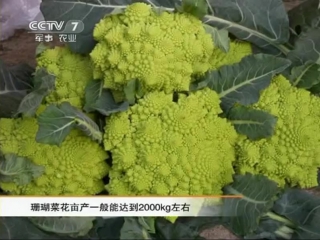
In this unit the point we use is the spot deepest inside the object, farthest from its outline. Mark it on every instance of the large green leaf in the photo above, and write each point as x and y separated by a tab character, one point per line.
54	126
19	170
267	229
56	122
147	223
220	37
133	91
306	48
109	228
303	209
41	48
315	89
21	228
133	229
262	22
242	82
100	99
89	12
68	226
184	227
153	228
15	83
258	197
130	91
46	228
44	83
197	8
255	124
306	15
83	122
305	76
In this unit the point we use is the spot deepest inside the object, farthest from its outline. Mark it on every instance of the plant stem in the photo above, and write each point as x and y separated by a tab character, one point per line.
283	234
279	219
284	49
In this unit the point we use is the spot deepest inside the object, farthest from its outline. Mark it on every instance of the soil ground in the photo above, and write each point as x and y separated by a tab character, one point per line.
20	48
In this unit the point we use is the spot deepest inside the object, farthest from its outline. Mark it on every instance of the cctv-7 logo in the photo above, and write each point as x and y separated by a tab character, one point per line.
75	25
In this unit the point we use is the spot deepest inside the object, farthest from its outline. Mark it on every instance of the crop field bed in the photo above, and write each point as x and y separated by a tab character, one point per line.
20	48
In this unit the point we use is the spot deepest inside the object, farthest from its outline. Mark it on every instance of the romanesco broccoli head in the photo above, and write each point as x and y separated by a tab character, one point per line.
292	154
75	168
237	51
73	72
161	50
163	147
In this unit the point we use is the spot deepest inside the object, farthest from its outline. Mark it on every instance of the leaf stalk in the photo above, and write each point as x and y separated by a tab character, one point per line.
280	219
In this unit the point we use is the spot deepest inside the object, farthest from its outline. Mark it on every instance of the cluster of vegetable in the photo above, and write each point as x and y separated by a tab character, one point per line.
172	99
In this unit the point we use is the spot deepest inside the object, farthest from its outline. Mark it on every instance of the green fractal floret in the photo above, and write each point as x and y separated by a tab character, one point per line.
161	147
237	51
292	154
75	168
161	50
73	72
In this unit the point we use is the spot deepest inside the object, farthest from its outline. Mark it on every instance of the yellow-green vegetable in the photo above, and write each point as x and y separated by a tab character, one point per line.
75	168
161	147
73	72
160	49
237	51
292	154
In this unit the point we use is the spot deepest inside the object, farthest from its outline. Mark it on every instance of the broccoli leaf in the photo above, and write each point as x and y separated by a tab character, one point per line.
306	48
267	229
242	82
255	124
132	91
90	12
23	228
303	209
54	126
44	83
183	228
258	197
18	169
132	229
147	223
41	48
305	76
261	22
315	89
56	122
69	226
220	37
100	99
30	103
197	8
109	228
15	83
83	122
306	15
44	80
305	56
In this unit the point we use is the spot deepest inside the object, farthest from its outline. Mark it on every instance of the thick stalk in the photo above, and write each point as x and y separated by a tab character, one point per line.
280	219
